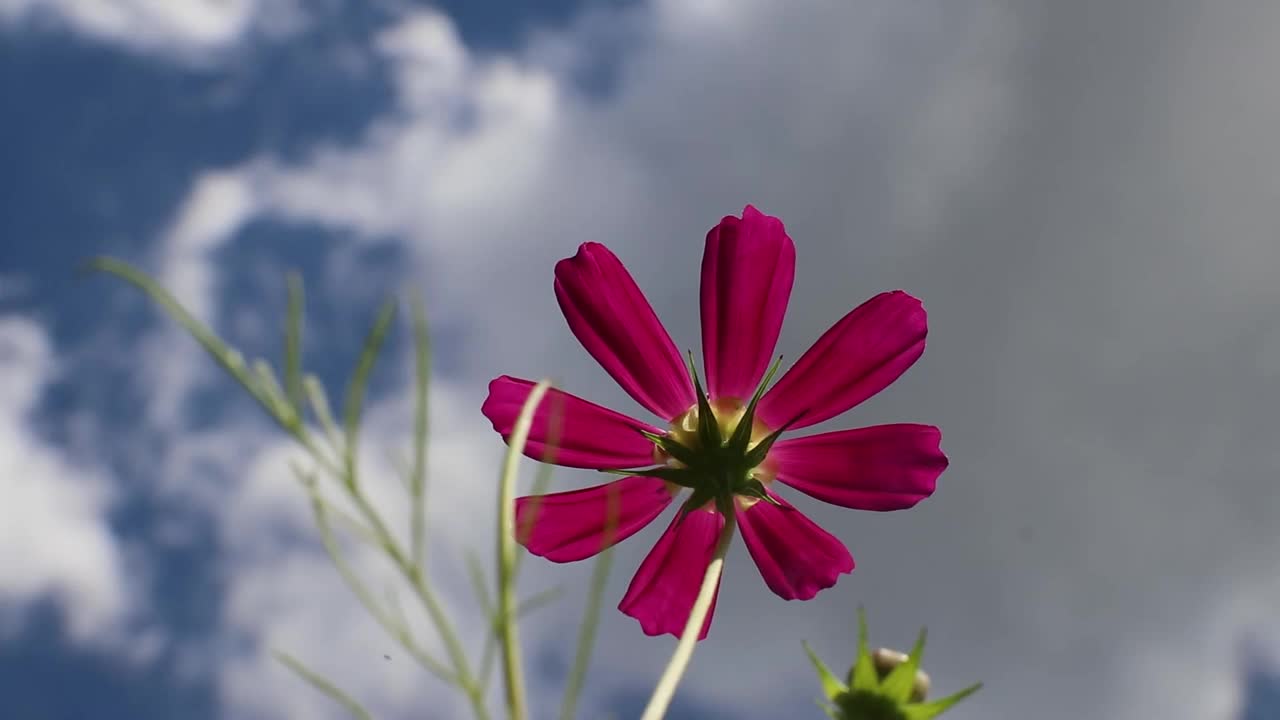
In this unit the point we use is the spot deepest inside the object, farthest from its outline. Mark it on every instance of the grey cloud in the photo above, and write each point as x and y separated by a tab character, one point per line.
1085	196
1103	324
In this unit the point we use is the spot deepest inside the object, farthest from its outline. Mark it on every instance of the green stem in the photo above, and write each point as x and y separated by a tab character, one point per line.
586	635
430	603
513	671
666	686
418	476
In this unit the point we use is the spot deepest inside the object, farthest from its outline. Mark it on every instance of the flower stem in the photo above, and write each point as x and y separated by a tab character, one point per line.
506	617
666	686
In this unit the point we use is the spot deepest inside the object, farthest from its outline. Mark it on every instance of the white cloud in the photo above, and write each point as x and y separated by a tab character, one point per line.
218	204
189	29
53	526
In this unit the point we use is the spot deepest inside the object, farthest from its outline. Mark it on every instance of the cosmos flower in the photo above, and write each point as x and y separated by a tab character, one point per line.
721	445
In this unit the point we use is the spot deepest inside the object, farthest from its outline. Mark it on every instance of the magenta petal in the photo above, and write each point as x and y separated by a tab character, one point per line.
569	526
886	467
747	270
858	357
662	592
589	436
614	322
796	557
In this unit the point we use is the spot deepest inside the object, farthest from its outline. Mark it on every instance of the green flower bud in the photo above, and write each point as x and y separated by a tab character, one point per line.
882	685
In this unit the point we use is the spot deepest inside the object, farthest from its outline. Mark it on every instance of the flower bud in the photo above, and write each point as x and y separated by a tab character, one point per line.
882	685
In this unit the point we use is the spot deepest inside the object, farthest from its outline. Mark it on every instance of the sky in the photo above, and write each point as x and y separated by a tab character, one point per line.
1085	195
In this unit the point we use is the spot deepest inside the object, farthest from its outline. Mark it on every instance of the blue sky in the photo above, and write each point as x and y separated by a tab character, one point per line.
1091	241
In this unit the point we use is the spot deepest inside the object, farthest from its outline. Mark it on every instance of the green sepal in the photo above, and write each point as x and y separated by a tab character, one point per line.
684	477
831	685
865	696
754	488
708	428
672	448
929	710
757	454
742	434
761	450
898	683
900	680
863	673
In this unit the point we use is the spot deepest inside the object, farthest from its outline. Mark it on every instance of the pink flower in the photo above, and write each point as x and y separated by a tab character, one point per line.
722	445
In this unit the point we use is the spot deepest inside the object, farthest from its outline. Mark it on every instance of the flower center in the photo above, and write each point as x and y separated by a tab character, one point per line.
728	472
732	467
717	449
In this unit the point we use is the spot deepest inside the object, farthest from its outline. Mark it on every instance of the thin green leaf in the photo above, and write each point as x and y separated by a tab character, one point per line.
230	360
539	601
319	682
587	634
418	476
307	478
353	525
476	573
271	390
318	399
293	343
394	608
360	382
388	623
592	615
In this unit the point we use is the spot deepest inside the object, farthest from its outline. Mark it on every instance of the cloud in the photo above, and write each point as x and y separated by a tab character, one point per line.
190	30
492	168
1086	208
282	587
53	521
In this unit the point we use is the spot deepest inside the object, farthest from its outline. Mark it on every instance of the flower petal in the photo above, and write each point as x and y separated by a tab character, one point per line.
858	357
748	268
886	467
615	323
662	592
796	557
569	526
585	435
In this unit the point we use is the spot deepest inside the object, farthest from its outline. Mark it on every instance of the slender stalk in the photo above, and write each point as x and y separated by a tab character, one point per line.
418	476
513	671
319	682
586	635
393	628
666	686
591	617
430	601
